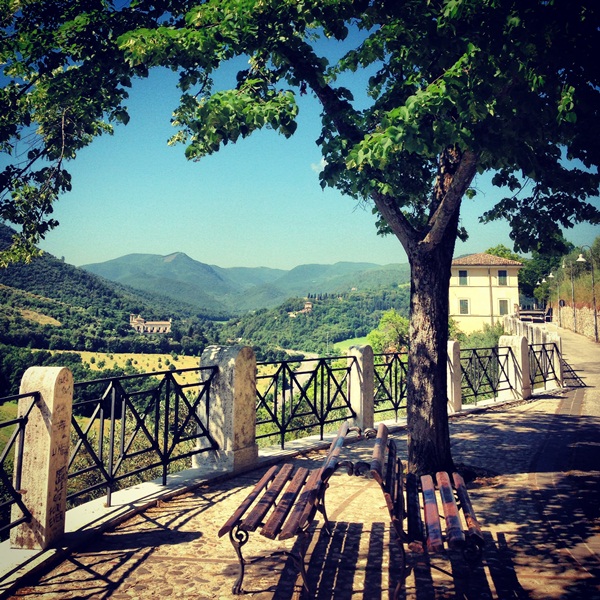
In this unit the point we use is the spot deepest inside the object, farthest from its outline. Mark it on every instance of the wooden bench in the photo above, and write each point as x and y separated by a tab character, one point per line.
283	504
417	503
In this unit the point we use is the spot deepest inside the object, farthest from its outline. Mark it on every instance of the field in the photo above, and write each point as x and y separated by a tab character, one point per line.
143	363
146	363
342	347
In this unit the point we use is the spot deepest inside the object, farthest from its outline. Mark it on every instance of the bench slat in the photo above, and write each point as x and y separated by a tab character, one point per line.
395	481
413	510
256	516
304	507
454	532
331	460
473	526
239	513
271	528
432	516
378	458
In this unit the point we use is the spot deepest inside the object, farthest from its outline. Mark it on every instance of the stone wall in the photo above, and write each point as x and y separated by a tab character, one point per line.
580	321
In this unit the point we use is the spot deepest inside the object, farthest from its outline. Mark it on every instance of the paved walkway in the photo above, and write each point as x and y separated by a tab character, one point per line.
536	491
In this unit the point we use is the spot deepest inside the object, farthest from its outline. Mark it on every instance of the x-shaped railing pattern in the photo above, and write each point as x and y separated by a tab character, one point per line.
125	426
543	359
485	372
10	478
391	371
302	395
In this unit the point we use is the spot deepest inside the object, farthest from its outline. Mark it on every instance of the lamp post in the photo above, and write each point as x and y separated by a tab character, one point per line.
564	266
557	307
581	258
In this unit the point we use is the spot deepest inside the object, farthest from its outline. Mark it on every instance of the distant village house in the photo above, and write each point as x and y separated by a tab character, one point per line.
143	326
308	306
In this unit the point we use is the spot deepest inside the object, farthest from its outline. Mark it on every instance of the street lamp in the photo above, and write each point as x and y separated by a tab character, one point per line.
557	307
581	258
564	266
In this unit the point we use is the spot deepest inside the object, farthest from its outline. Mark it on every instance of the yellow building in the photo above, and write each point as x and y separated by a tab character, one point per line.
483	289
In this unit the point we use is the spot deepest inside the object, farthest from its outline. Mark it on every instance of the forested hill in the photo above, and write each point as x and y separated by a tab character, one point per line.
314	326
50	304
49	277
239	290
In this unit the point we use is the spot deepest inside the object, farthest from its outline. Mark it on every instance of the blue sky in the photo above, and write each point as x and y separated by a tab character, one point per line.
255	203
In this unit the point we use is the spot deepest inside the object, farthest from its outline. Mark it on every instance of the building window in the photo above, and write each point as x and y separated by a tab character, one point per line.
503	307
502	277
463	278
464	307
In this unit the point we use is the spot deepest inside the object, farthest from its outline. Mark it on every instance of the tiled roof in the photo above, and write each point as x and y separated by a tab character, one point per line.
487	260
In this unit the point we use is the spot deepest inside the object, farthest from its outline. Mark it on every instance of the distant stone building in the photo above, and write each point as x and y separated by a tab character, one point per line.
483	288
143	326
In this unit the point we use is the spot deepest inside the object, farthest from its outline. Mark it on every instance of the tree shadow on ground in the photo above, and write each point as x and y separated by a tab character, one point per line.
342	567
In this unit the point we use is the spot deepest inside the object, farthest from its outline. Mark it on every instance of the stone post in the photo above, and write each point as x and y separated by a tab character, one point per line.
518	369
232	421
454	378
361	385
45	457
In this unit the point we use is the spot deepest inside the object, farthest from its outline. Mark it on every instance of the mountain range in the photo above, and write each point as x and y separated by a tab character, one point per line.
217	290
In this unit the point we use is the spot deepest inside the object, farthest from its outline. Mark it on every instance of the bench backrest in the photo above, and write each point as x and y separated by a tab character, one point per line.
388	473
330	462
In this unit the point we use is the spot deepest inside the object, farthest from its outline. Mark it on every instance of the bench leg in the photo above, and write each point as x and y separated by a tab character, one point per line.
321	508
473	550
399	535
303	540
238	538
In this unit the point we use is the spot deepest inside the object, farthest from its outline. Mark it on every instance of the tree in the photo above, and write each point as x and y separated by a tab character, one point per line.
391	334
64	81
455	88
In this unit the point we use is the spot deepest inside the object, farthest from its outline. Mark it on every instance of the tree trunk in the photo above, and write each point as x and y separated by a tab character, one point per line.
428	430
430	249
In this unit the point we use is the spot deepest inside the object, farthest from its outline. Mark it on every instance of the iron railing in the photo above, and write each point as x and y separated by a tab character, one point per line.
139	427
11	459
390	374
484	373
123	427
543	359
303	395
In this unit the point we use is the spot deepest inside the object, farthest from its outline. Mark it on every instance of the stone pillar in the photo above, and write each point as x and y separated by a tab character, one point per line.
232	421
518	369
361	385
454	378
45	457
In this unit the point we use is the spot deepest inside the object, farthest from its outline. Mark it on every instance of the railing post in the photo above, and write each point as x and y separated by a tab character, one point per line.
45	457
518	369
232	422
362	383
454	378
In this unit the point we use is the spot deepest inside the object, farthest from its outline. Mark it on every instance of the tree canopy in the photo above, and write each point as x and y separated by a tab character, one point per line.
453	88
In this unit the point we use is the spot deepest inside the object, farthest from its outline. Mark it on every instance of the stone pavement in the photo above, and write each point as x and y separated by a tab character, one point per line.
536	490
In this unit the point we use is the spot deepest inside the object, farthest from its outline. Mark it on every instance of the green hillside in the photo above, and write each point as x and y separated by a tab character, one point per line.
49	304
329	319
216	290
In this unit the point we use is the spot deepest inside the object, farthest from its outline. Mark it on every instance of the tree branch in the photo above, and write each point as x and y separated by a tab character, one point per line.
336	109
457	170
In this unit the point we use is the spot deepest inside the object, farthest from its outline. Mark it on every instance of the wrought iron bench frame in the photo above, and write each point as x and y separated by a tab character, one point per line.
283	504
